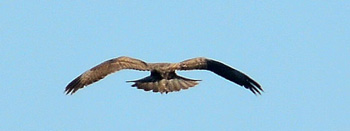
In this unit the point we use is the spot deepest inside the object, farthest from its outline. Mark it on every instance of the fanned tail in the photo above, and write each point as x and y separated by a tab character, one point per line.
164	85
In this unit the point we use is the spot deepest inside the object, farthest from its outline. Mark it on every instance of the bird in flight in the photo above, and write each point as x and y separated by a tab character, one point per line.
163	78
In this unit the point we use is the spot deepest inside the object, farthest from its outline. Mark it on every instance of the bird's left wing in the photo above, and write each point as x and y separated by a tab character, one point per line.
222	70
100	71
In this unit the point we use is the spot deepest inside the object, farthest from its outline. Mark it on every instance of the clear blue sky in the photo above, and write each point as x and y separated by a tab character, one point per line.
297	50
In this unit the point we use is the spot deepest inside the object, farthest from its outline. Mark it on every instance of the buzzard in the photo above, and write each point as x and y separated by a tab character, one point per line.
163	77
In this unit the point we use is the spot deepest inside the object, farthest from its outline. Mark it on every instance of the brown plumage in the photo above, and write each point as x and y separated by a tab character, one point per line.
163	77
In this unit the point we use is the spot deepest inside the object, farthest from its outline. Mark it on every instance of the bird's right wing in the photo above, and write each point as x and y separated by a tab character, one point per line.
222	70
100	71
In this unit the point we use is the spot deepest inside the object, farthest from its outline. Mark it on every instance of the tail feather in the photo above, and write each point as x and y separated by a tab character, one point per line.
164	85
176	85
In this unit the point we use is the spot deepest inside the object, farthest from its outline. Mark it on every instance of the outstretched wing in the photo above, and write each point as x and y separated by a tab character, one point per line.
100	71
223	70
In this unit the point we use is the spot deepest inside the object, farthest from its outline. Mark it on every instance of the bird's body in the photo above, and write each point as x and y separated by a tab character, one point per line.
163	77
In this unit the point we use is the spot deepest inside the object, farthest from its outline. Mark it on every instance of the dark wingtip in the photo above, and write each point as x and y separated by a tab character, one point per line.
254	87
73	86
234	75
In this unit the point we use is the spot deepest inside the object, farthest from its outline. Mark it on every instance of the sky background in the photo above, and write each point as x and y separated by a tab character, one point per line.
299	52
